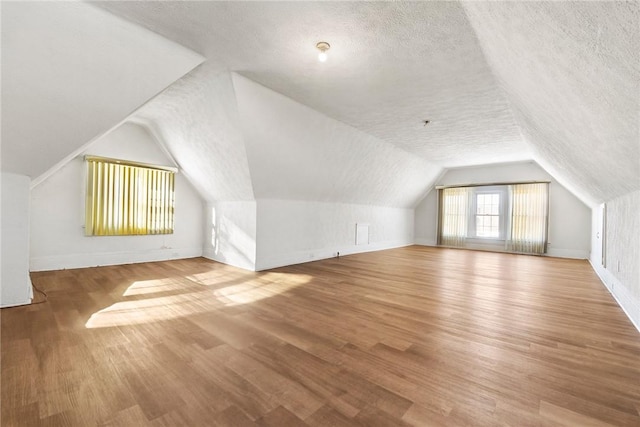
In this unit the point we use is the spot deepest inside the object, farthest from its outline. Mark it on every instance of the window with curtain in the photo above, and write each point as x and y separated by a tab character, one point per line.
454	216
529	209
128	198
512	217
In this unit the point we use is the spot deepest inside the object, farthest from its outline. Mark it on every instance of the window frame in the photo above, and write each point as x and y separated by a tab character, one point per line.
502	191
117	205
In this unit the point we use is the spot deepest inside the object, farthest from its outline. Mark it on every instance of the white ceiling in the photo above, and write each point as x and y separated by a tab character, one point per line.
557	82
391	66
571	72
71	72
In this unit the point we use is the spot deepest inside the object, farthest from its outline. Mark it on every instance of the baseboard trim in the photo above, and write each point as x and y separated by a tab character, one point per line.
234	261
15	304
568	253
301	257
620	294
63	262
425	242
557	253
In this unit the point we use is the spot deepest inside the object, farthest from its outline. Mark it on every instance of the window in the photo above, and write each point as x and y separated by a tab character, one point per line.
511	217
488	215
127	198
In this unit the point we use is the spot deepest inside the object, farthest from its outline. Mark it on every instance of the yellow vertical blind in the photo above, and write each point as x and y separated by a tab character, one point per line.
127	198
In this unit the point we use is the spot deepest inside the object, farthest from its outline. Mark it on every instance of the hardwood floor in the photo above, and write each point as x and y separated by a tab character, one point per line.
412	336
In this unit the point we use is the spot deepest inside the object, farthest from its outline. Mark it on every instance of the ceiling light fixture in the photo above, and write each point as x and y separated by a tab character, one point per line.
323	47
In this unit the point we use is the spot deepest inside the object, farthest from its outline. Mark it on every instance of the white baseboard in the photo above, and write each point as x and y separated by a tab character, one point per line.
620	293
235	260
425	242
300	257
555	252
568	253
68	261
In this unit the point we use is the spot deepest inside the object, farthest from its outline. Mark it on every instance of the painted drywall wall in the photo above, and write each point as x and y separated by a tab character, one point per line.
621	275
15	284
58	208
230	233
71	71
569	218
293	232
296	153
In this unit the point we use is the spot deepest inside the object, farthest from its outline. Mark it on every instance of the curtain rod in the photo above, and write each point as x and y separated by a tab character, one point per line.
129	163
489	184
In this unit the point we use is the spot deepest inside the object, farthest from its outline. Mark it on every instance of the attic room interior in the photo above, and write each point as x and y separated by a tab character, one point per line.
320	213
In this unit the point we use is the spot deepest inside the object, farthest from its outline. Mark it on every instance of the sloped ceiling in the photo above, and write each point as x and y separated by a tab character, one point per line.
391	66
571	72
500	82
70	72
198	122
296	153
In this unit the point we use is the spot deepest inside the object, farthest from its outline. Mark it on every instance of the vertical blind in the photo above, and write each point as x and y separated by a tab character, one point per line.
454	215
126	198
529	210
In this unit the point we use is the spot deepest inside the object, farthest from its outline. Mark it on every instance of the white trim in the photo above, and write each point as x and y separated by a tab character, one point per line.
425	242
15	304
555	253
238	261
620	293
568	253
61	262
301	257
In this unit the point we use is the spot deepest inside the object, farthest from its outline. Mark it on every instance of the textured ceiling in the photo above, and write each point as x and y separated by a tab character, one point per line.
500	81
197	120
70	72
296	153
391	65
571	72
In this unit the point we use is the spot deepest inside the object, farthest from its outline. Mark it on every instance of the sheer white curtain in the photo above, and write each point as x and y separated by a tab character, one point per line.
529	208
454	215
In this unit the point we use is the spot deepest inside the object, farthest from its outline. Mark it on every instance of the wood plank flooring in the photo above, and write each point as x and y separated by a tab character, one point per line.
411	336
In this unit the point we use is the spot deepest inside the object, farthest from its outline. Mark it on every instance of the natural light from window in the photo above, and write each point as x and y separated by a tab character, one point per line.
488	215
155	300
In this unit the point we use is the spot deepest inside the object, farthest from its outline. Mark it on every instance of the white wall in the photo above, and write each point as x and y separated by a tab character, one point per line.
622	273
230	233
292	232
15	284
569	218
58	209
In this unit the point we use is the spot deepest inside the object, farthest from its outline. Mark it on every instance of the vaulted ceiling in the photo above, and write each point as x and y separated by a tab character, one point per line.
499	82
71	72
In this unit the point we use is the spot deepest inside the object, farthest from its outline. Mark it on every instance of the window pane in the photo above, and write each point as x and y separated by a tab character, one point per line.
495	222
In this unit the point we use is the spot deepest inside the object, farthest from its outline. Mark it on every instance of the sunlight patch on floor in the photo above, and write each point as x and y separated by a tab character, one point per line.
190	298
145	287
249	292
